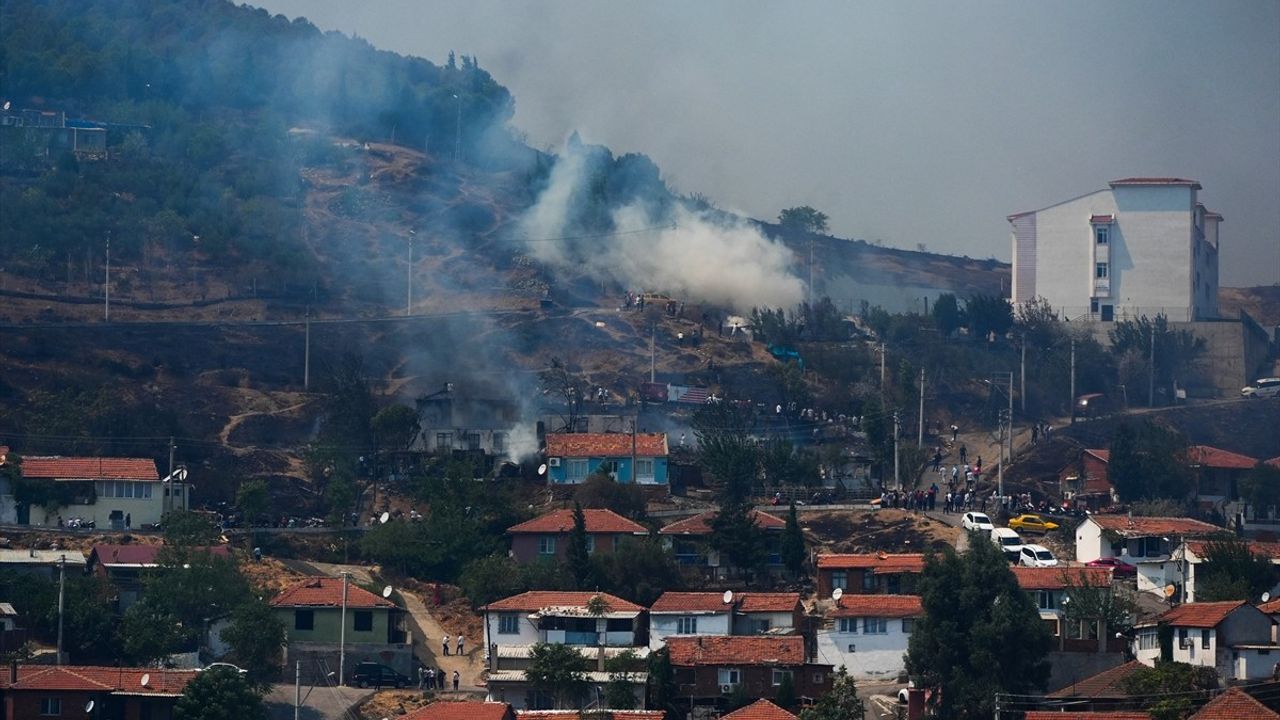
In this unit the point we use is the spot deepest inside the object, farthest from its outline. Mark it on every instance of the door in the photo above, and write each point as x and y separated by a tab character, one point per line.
1108	313
117	519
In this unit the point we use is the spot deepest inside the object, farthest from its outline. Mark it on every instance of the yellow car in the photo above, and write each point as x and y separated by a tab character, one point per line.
1032	524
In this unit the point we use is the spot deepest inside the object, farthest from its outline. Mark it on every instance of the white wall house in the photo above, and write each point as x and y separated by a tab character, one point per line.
1142	246
677	614
114	493
868	634
1233	637
1147	543
1192	558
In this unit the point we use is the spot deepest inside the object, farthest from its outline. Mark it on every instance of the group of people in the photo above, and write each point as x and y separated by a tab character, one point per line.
430	678
1040	430
444	645
960	501
918	500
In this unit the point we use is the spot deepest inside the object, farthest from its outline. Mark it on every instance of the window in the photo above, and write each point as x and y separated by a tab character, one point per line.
644	469
50	706
687	625
473	441
1102	234
908	625
591	544
1046	600
363	621
1182	638
778	675
577	470
508	624
760	627
730	676
1100	271
875	626
1148	640
849	625
444	441
819	678
547	545
611	467
499	443
1205	638
868	580
840	579
304	620
1093	305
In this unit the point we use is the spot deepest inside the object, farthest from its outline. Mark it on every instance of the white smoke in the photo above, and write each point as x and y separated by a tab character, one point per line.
683	253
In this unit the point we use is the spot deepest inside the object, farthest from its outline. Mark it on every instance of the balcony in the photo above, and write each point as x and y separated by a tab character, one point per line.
1102	287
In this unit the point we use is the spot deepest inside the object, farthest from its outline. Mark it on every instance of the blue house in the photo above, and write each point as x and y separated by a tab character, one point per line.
571	457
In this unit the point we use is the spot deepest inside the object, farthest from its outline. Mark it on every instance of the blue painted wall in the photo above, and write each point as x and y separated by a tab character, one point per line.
560	475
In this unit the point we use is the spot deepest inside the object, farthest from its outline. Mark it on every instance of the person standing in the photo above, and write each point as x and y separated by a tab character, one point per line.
458	646
456	680
444	645
422	676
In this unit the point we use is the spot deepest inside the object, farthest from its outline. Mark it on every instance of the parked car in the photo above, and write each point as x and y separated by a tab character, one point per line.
370	674
1262	388
1037	556
1093	405
1032	524
1119	568
1008	542
977	521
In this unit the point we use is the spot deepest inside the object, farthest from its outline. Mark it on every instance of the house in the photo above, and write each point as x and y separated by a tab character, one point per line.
571	457
1218	473
44	563
1085	481
12	637
313	612
113	493
593	714
1234	704
1142	246
1048	589
868	634
466	710
35	691
546	537
448	423
1192	556
1144	542
759	710
881	573
599	625
708	613
1233	637
687	540
124	565
709	669
1087	715
1101	691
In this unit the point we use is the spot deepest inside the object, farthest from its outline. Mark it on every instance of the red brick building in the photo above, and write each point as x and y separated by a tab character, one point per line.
35	691
869	573
546	537
709	669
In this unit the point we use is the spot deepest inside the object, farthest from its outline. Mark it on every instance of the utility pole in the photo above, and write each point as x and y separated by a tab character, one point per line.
881	373
167	504
306	352
1000	465
1010	416
62	582
653	358
920	433
408	303
635	479
1072	399
810	274
297	691
896	479
1151	374
342	633
106	285
1022	377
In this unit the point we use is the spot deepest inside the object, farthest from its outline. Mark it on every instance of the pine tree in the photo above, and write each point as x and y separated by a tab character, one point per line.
577	555
793	545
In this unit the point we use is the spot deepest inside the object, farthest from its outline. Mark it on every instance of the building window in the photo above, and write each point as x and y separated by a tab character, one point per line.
509	624
760	627
819	678
840	580
1046	600
644	469
778	675
1102	234
547	545
1205	636
499	443
1100	271
444	441
1183	642
591	544
730	676
50	706
473	441
363	621
875	626
611	467
868	580
577	470
1148	640
687	625
908	625
304	620
849	625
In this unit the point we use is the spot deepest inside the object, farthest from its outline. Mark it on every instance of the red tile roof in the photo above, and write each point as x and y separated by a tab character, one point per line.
759	710
1270	608
887	606
1101	454
536	600
591	715
86	468
1269	550
597	521
582	445
1106	684
701	524
1155	181
88	678
1198	615
1212	457
676	602
1152	526
327	592
1274	462
767	602
136	554
1087	715
880	562
469	710
704	650
1234	704
1055	578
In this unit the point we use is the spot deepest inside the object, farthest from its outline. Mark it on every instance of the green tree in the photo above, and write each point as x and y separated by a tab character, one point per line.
220	694
786	697
842	703
577	555
793	553
1090	603
151	633
256	636
663	690
623	669
1038	324
639	569
558	671
947	315
740	542
988	314
395	427
803	218
601	491
726	450
31	492
1231	571
186	528
1175	350
1261	487
253	499
980	634
1164	689
491	578
1149	462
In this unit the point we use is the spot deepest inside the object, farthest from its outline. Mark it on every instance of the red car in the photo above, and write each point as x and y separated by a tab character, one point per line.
1119	568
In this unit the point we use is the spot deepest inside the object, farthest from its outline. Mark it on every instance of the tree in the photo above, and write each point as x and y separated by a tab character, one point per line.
1164	689
1231	571
639	569
253	499
663	690
559	382
739	540
577	555
947	314
619	692
256	636
842	703
31	492
786	697
980	633
150	633
600	490
793	544
1038	324
1261	487
185	528
1175	350
1149	462
988	314
803	218
1090	604
559	671
395	427
220	694
726	450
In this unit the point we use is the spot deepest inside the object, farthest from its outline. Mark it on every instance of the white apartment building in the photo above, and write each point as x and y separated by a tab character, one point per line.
868	634
1233	637
1142	246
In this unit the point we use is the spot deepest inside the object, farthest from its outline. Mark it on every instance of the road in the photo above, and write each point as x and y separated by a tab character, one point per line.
322	703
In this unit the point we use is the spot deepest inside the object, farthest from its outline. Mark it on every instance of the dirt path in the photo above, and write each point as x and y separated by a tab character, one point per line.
427	633
234	421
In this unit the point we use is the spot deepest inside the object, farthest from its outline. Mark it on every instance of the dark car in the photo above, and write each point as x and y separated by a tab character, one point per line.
368	674
1093	405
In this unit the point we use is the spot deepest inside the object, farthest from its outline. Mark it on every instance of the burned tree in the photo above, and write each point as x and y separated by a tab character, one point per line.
569	391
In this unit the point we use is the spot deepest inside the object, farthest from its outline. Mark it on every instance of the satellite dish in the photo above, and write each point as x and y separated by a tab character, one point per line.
837	594
1266	597
146	678
1066	600
7	105
728	596
1169	590
88	707
384	517
542	469
386	591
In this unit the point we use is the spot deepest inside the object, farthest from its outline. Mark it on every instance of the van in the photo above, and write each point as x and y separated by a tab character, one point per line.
1093	405
1008	542
371	674
1262	388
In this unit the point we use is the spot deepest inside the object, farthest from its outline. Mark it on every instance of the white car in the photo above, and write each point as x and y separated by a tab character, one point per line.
1008	542
1262	388
1036	556
977	521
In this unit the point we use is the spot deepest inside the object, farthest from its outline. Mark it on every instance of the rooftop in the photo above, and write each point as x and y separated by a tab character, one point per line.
759	710
880	562
468	710
591	715
1197	615
886	606
597	521
701	524
1106	684
1212	457
713	602
1059	578
86	468
1234	704
736	650
580	445
135	555
87	678
1155	181
1087	715
32	556
564	601
1126	526
1268	550
327	592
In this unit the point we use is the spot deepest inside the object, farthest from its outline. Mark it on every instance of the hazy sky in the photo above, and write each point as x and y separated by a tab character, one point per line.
911	122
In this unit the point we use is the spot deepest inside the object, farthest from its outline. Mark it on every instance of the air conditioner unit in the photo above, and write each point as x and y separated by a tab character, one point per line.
852	647
726	689
553	462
